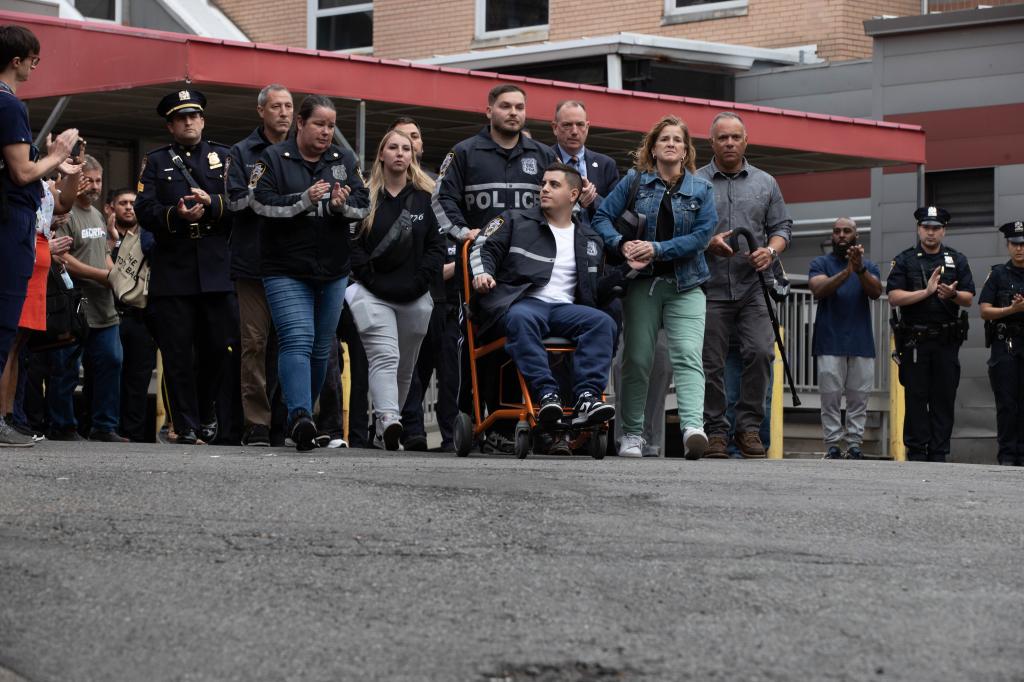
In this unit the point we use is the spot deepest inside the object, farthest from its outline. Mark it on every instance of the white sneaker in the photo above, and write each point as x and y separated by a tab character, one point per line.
695	442
337	443
631	445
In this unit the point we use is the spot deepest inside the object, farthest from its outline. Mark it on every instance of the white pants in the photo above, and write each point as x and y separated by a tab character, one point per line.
391	334
850	376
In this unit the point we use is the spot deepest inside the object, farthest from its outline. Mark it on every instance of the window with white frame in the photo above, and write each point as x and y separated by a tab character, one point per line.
508	17
104	10
699	10
340	25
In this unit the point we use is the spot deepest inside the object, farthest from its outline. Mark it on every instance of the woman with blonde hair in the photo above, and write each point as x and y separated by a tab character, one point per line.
678	217
396	255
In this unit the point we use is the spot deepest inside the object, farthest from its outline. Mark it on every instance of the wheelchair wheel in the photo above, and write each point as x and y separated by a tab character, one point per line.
522	442
463	435
598	444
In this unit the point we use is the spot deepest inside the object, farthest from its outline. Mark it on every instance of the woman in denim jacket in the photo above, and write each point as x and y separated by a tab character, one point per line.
670	268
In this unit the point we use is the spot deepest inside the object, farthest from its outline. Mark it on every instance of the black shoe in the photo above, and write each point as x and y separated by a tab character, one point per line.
70	435
591	410
415	443
854	453
304	432
257	436
550	408
107	437
560	447
444	447
27	431
208	432
187	438
322	440
833	453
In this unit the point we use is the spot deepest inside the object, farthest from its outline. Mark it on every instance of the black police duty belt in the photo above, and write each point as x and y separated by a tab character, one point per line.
195	230
918	332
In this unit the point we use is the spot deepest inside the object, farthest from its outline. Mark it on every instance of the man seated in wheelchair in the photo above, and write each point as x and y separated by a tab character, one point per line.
537	272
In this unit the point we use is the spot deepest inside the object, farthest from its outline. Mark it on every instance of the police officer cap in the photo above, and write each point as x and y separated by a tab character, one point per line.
181	102
931	215
1014	232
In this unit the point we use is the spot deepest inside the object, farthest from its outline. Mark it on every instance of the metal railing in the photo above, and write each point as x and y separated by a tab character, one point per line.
797	316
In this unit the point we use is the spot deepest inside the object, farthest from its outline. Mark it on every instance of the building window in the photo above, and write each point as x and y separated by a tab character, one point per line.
681	11
341	25
504	17
968	195
104	10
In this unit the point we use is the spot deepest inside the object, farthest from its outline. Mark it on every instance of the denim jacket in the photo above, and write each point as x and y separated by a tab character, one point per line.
693	206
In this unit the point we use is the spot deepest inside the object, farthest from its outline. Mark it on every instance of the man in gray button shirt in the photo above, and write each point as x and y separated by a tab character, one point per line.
748	197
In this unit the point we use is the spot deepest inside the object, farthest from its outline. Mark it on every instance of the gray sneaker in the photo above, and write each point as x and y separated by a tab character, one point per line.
9	438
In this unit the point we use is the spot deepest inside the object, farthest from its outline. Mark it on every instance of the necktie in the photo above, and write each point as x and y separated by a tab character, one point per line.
575	162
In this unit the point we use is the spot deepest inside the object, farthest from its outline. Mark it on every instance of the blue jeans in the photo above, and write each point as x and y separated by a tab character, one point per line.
306	315
733	379
530	320
103	356
17	257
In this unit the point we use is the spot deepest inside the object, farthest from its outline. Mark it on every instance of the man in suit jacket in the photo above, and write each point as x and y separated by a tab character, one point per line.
599	172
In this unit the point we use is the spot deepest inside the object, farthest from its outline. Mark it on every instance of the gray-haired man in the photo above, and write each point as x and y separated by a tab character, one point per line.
745	197
275	107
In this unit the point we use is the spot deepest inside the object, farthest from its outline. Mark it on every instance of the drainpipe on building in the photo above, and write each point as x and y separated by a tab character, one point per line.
924	7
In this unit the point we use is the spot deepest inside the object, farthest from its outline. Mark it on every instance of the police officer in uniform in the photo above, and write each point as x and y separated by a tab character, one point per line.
929	286
1002	308
181	201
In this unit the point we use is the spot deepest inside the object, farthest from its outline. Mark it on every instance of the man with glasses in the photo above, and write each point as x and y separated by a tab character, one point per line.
21	189
929	286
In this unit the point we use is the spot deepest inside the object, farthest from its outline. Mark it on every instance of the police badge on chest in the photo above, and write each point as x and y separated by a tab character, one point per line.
339	173
530	166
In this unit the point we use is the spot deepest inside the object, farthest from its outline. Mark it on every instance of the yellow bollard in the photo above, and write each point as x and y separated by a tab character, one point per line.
346	389
897	405
778	395
161	409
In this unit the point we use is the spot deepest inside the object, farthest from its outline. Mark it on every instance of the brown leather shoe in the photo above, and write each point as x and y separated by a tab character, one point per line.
749	443
716	449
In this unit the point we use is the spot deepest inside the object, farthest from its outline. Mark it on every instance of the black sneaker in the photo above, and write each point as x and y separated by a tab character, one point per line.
415	443
303	432
322	440
107	437
854	453
69	434
833	453
550	408
257	436
187	438
208	432
590	410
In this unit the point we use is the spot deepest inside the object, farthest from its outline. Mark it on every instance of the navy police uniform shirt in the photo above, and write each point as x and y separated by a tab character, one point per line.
14	129
910	272
245	229
1003	283
188	258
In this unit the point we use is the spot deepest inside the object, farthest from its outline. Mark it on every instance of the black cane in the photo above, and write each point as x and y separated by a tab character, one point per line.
752	246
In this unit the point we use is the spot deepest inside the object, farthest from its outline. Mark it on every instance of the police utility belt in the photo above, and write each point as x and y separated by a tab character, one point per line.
1007	332
952	332
195	230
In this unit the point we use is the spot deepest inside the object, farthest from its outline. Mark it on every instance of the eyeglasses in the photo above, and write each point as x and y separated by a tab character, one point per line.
34	60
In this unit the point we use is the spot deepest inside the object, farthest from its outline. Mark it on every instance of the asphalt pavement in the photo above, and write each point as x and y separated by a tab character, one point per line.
156	562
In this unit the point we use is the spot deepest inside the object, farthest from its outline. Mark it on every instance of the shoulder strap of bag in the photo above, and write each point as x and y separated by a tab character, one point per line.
634	187
393	234
180	165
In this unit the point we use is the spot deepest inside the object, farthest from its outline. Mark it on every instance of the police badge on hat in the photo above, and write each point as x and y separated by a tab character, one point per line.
530	166
339	172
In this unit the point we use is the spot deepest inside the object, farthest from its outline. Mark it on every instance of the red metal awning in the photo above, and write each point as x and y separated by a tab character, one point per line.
86	59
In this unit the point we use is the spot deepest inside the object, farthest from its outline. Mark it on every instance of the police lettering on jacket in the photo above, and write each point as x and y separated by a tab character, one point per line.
479	179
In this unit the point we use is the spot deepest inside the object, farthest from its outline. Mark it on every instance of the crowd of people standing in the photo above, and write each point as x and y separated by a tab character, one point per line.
265	255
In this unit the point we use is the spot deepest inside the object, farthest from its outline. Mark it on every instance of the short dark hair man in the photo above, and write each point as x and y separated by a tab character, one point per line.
930	283
844	282
181	201
21	170
275	108
538	278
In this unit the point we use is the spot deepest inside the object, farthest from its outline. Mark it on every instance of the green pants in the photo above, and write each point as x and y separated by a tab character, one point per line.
650	304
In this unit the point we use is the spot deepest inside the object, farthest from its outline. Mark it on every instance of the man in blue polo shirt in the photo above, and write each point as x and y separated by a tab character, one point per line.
21	171
842	282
